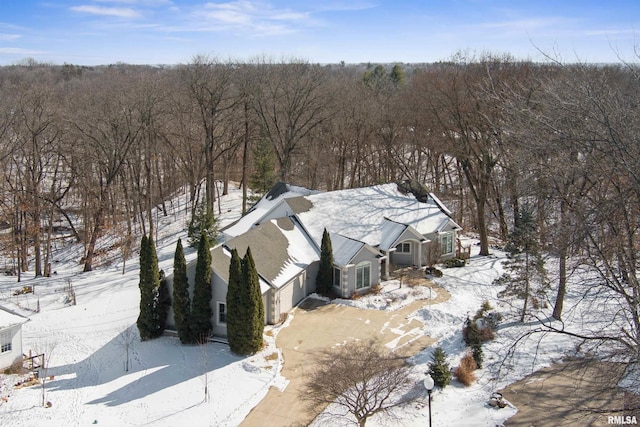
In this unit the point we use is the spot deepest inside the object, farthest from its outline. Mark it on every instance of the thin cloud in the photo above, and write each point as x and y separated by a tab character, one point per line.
138	2
253	17
19	51
9	37
107	11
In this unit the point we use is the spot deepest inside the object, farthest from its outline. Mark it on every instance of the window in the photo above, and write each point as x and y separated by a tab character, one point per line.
403	248
446	241
363	275
337	273
222	312
5	341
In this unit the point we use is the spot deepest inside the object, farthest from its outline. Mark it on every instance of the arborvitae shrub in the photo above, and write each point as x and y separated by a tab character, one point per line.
235	307
181	298
324	279
201	304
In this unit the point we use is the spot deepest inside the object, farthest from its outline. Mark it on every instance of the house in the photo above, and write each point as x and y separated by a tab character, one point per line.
372	230
10	337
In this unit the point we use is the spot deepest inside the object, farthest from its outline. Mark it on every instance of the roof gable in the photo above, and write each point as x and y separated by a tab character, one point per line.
9	318
280	247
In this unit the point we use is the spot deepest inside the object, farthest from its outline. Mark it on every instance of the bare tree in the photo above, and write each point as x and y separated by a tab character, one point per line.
291	103
126	340
360	380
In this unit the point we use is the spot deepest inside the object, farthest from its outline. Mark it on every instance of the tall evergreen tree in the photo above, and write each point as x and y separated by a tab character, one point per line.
154	282
255	307
324	279
235	307
164	303
181	299
201	305
149	280
525	276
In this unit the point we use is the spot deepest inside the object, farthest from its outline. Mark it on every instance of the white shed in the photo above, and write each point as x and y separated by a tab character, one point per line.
10	337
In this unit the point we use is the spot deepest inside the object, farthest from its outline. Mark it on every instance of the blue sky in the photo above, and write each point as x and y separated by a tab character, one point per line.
91	32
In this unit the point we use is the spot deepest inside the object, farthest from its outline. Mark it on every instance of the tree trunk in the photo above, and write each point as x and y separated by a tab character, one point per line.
97	228
562	284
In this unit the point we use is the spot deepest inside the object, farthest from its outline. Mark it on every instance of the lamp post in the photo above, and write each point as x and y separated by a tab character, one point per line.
428	384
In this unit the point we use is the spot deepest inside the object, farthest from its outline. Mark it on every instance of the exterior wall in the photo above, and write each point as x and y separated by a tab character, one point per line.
275	302
9	357
349	277
282	210
437	237
414	257
219	294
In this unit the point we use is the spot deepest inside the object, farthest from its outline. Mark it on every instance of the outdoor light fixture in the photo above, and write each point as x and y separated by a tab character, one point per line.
428	384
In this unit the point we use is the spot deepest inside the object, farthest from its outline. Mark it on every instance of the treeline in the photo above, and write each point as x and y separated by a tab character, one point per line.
99	147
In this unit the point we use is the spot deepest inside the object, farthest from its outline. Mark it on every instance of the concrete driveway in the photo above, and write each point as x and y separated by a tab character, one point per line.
317	326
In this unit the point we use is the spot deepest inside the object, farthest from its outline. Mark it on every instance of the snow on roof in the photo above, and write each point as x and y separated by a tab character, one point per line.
275	196
344	249
8	318
280	249
221	258
390	231
360	213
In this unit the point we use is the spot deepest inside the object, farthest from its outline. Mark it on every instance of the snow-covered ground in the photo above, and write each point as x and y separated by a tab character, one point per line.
85	346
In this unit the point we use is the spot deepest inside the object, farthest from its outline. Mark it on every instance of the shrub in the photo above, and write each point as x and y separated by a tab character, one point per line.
454	263
15	368
470	332
478	355
439	368
486	334
464	372
433	271
482	311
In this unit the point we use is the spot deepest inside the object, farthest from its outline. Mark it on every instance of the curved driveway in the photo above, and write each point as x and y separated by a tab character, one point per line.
316	327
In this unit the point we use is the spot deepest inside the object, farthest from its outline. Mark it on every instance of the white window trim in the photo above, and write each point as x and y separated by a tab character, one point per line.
363	265
6	340
401	249
219	303
446	237
339	272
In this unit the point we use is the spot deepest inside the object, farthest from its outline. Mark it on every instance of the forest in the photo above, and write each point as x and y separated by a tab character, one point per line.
91	150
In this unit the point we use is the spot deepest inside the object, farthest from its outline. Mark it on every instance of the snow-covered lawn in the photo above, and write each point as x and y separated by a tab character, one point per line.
85	345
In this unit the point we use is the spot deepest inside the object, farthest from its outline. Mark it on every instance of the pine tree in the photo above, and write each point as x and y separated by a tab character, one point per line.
255	307
181	299
201	306
439	368
149	280
235	307
264	175
202	222
525	277
324	279
397	75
